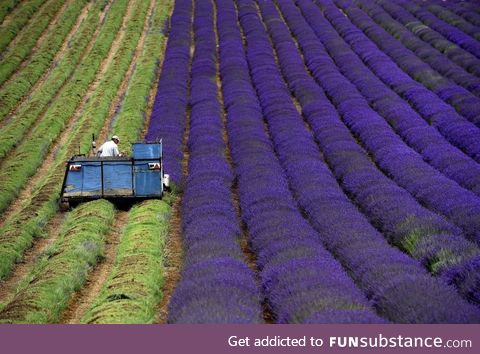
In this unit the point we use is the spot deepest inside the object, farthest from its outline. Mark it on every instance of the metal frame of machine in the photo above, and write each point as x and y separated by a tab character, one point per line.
122	179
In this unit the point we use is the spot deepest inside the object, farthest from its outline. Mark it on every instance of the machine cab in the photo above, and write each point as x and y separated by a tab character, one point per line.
140	176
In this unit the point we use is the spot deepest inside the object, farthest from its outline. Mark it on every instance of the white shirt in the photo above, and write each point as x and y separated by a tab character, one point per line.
109	149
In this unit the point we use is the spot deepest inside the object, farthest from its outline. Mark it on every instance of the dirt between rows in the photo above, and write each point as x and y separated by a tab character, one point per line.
116	105
40	40
250	256
174	245
55	59
9	16
81	301
173	260
153	90
8	286
27	190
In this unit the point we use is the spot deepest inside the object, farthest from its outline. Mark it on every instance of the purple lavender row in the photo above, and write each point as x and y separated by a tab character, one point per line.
471	6
455	128
465	102
301	281
431	36
405	166
415	131
394	286
447	39
442	34
216	285
462	9
421	233
424	138
464	273
453	19
168	118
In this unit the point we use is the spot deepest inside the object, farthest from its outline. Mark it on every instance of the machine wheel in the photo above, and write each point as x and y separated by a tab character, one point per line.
64	205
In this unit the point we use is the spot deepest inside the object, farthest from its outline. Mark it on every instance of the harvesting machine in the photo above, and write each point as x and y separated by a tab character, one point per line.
119	179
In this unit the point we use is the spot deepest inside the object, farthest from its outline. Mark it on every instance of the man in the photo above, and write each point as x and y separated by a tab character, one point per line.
110	148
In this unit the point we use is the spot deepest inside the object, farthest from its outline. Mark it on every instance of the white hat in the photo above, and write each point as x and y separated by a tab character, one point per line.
115	137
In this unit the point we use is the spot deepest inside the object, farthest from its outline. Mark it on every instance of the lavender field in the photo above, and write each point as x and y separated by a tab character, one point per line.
348	134
324	158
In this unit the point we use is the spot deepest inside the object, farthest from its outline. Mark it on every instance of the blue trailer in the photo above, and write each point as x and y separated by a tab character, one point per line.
120	179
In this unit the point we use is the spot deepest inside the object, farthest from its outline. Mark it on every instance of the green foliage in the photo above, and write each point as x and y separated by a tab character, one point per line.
133	289
6	6
19	231
99	105
63	267
29	222
27	157
17	234
131	118
22	16
175	190
416	237
17	88
14	55
38	102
